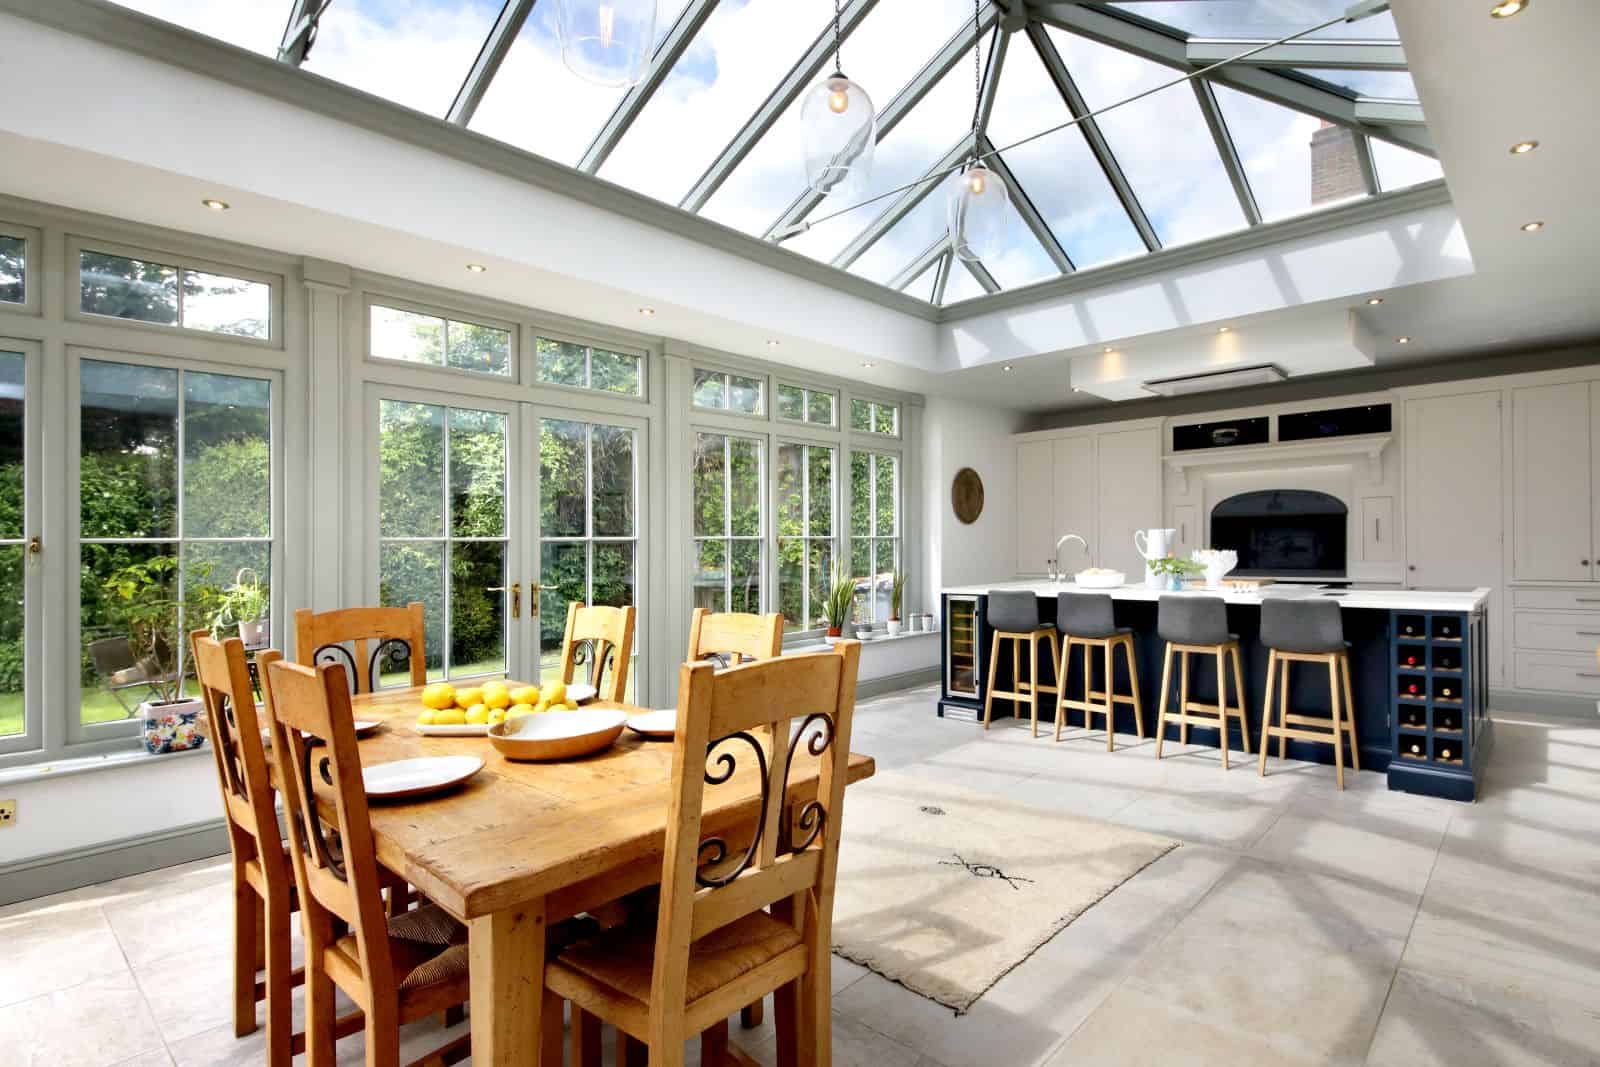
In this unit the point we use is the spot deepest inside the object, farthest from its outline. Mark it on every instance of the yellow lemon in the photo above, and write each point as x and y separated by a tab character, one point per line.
496	685
478	714
439	695
571	705
426	718
465	698
450	717
542	707
555	692
496	716
525	694
517	711
496	698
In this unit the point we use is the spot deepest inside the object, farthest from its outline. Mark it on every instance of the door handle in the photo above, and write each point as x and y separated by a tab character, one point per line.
1377	529
515	589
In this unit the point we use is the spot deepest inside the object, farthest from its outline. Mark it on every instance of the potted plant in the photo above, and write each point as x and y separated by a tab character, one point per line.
839	604
245	603
1176	570
142	601
897	589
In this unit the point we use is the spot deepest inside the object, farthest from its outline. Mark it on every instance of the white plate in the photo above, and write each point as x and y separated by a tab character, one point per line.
363	726
415	777
579	692
663	722
466	729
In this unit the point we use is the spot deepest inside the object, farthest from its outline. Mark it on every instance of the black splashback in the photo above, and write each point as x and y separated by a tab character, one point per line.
1283	532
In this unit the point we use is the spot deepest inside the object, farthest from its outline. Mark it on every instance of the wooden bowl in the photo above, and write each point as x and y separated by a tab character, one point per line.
557	735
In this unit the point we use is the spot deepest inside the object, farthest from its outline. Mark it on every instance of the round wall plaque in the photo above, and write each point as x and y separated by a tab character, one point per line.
966	495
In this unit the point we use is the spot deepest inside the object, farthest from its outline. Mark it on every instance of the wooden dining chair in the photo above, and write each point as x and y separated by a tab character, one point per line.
610	631
711	947
263	885
359	638
397	968
740	636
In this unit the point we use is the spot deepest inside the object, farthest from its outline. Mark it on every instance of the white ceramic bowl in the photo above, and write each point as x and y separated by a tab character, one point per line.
1114	580
556	735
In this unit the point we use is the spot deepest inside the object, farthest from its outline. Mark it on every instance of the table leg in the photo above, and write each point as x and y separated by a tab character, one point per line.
506	950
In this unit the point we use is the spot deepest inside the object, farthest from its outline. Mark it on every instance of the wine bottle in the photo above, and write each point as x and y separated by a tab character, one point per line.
1445	692
1444	753
1416	749
1411	660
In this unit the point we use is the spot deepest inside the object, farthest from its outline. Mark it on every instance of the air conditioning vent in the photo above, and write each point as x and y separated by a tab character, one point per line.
1209	381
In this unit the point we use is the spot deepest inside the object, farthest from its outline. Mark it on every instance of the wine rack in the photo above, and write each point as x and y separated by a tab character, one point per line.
1439	710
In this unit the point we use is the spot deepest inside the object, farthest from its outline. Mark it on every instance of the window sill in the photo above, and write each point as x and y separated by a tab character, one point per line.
47	770
818	644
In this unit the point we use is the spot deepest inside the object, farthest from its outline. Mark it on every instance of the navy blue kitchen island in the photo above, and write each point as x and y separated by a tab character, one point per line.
1417	660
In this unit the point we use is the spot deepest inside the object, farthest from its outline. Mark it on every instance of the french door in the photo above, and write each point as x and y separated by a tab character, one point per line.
495	515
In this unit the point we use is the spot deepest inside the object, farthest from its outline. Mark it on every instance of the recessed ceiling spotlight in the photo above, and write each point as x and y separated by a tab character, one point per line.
1374	301
1224	329
1109	350
214	204
772	344
1402	340
476	268
1506	8
1532	227
867	364
1075	389
647	312
1522	148
1007	368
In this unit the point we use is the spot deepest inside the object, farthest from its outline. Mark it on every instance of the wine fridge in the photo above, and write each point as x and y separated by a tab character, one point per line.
961	667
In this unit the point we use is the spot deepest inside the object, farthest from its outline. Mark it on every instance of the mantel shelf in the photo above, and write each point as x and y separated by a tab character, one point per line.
1369	445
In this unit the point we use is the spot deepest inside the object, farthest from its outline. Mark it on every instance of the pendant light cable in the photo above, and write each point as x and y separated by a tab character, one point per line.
798	228
838	64
977	73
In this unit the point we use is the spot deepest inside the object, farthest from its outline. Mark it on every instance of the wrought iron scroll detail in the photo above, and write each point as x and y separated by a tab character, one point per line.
387	647
329	854
583	652
813	816
336	653
227	732
724	767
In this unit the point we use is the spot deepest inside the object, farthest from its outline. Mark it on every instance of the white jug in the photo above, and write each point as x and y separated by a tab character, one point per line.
1153	544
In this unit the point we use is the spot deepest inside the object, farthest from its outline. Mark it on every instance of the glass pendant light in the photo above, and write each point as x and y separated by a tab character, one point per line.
977	197
607	42
840	129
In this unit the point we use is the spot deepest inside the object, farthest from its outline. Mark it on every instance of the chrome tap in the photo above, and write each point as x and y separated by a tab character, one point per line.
1055	564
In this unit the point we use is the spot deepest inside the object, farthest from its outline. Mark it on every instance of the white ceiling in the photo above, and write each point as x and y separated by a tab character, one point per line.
349	196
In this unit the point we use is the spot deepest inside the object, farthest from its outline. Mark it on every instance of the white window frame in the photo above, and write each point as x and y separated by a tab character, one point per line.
897	539
589	343
728	374
899	418
77	245
32	267
86	738
806	393
34	731
727	537
807	628
374	298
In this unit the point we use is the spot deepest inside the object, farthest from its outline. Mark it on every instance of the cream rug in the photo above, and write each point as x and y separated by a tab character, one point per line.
944	890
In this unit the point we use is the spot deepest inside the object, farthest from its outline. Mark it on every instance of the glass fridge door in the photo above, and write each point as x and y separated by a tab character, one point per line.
961	647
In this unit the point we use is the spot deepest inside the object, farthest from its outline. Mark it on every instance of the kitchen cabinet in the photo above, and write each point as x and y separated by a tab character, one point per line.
1074	495
1036	536
1188	536
1453	467
1552	484
1377	529
1128	469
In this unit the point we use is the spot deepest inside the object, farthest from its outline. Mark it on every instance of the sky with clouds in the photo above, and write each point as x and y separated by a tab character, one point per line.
417	53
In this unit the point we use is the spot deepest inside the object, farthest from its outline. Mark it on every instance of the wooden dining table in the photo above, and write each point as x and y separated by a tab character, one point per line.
521	846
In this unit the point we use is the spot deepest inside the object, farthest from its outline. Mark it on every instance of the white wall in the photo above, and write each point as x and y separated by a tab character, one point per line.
957	434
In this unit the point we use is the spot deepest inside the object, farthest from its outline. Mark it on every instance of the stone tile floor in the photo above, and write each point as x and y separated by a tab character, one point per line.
1297	924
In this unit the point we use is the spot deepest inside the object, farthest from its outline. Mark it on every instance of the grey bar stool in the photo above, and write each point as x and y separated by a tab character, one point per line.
1198	625
1308	631
1087	621
1014	618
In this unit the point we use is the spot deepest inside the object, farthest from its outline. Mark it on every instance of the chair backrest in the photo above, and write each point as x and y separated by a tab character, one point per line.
738	635
248	799
1090	615
1013	612
610	633
360	638
1301	625
111	654
1192	620
720	742
335	860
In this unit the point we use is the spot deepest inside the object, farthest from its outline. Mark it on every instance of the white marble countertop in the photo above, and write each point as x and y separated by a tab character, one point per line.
1464	600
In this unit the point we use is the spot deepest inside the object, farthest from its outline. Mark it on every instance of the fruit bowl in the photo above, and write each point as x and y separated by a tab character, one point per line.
1100	578
557	735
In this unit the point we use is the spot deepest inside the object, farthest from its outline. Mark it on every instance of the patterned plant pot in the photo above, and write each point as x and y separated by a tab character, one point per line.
172	727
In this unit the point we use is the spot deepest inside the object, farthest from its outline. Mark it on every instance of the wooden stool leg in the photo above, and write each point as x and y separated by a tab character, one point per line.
1238	694
550	1023
750	1015
994	669
1133	682
1336	699
1349	711
280	986
714	1045
1283	711
1183	698
786	1021
1111	707
1266	707
1055	667
1161	715
249	920
1063	671
1033	680
1222	704
585	1038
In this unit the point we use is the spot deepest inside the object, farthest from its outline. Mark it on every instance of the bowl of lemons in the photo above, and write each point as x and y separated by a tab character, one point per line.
470	710
562	731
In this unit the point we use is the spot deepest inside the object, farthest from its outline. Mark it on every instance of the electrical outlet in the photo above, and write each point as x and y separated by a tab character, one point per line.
8	813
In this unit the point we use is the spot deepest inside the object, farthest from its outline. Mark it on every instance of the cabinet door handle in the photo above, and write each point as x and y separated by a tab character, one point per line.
1377	529
1588	633
1587	599
1586	674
